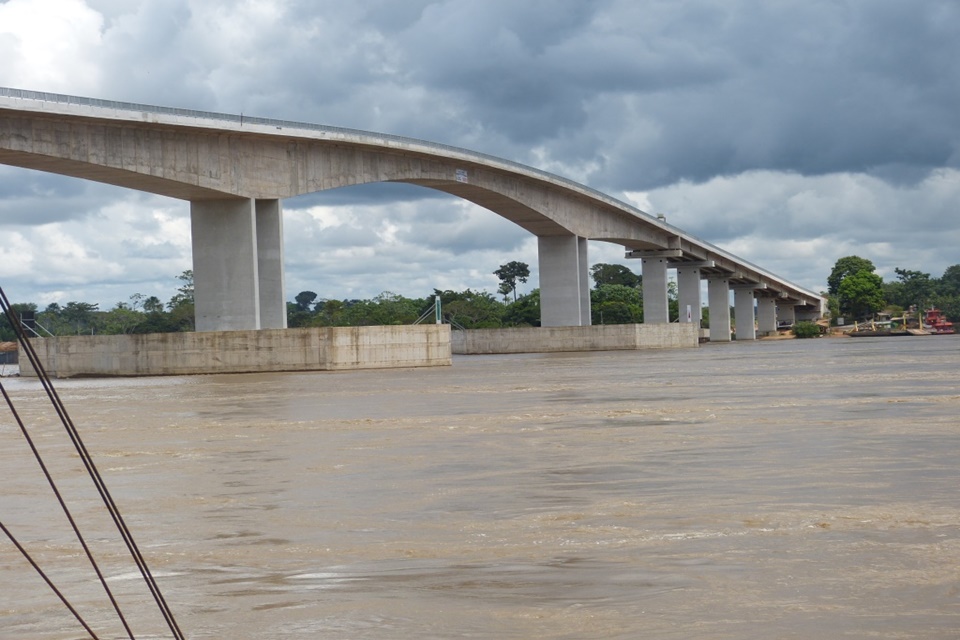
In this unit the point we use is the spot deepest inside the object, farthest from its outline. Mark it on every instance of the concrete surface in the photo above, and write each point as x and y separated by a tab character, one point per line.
314	349
611	337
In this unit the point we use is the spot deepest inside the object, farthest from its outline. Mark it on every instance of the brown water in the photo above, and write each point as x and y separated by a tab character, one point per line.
786	489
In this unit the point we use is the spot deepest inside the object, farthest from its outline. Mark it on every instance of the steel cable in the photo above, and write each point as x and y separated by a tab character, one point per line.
49	582
92	471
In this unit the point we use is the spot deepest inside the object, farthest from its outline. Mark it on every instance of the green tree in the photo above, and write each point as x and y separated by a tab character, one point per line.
806	329
385	309
861	295
471	309
525	312
512	273
304	299
916	288
152	304
673	301
299	312
7	332
504	289
121	319
184	295
80	316
603	273
615	304
949	283
329	313
833	307
847	267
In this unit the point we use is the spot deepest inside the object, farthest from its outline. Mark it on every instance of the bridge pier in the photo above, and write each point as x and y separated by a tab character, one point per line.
564	281
273	305
656	309
689	294
237	264
743	299
718	298
786	313
767	316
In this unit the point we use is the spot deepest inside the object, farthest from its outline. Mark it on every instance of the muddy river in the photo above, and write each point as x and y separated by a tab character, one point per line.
773	489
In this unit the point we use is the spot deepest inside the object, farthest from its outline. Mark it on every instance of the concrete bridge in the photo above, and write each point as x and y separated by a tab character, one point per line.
235	170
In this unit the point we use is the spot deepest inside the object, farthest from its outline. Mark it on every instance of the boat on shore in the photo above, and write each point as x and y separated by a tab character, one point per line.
935	323
884	328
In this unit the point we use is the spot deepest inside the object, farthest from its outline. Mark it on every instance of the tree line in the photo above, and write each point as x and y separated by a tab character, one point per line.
140	314
617	297
856	292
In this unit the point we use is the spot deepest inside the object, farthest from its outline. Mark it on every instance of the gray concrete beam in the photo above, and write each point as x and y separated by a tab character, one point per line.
564	281
586	319
689	295
656	309
767	316
743	301
225	273
273	305
665	254
718	299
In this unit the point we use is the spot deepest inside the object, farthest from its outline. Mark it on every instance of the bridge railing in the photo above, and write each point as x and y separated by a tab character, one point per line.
386	137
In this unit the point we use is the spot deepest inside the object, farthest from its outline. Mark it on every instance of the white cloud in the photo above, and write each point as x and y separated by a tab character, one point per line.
50	45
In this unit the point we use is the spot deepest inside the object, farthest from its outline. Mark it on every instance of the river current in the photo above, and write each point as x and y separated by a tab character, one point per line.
770	489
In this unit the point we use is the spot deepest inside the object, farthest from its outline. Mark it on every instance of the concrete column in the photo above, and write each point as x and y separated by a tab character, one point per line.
564	281
808	314
586	319
273	304
767	316
225	273
656	309
743	300
786	313
688	293
718	299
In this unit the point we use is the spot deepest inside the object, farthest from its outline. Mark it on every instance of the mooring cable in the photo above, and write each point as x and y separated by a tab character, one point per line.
64	508
92	471
49	582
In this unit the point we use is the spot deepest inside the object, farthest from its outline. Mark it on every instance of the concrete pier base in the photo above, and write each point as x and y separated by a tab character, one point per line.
314	349
611	337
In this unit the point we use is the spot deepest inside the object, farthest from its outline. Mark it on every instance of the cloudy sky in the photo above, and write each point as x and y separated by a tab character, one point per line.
789	132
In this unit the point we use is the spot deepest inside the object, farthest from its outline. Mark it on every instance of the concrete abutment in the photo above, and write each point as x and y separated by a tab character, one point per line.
329	348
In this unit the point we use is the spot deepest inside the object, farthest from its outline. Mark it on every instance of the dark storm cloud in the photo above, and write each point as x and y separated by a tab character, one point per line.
666	90
822	127
31	198
810	87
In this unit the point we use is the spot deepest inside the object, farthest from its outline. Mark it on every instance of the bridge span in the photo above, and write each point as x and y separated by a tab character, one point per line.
235	171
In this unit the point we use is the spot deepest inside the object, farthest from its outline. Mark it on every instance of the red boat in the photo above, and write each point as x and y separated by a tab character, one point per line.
935	322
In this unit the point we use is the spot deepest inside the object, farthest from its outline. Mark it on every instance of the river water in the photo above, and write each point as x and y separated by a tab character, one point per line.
772	489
